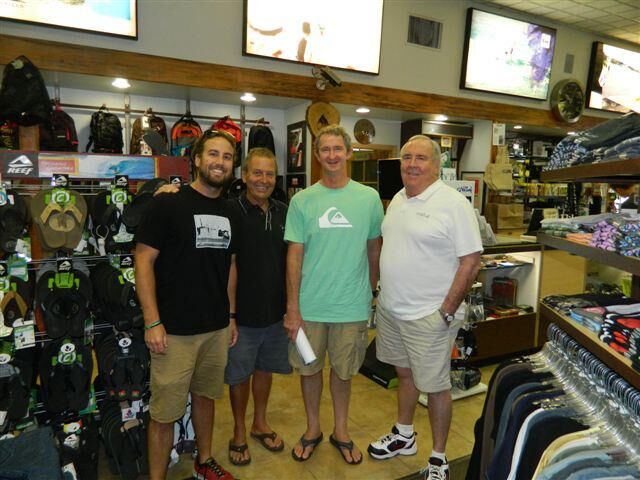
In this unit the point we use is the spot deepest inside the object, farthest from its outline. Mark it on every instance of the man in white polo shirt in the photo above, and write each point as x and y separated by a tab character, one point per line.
430	257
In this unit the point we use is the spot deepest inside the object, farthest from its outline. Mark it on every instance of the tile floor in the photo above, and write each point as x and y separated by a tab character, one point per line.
372	413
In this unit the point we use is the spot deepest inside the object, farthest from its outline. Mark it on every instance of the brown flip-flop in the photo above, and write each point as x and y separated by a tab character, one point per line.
238	449
261	437
306	443
41	213
76	213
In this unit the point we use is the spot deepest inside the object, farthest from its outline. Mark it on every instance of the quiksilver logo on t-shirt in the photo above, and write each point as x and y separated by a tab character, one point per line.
332	218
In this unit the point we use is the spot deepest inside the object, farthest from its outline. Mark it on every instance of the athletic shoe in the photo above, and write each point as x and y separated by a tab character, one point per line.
210	470
436	470
393	444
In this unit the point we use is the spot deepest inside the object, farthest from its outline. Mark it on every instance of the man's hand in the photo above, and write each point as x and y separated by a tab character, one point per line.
292	323
234	332
167	188
156	339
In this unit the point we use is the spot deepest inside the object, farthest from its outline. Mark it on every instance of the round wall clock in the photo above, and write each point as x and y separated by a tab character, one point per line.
567	100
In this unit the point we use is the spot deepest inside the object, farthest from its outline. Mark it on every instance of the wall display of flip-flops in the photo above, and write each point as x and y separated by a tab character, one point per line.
72	355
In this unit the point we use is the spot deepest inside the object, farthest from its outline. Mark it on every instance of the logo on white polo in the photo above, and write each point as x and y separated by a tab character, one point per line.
332	218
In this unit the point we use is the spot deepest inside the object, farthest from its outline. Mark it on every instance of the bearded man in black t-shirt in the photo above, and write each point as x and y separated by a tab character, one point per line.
186	281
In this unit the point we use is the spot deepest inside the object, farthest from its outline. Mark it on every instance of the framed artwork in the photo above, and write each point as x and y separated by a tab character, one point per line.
118	17
295	183
479	195
296	147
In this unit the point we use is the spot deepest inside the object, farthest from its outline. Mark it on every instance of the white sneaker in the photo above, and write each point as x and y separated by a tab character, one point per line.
393	444
436	470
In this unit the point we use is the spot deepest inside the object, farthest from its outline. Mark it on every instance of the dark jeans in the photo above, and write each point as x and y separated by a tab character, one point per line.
31	456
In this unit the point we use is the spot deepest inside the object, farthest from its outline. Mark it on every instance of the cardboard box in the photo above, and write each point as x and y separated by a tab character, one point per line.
504	215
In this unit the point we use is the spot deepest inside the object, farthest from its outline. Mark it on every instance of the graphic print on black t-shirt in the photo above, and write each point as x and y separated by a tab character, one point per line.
212	231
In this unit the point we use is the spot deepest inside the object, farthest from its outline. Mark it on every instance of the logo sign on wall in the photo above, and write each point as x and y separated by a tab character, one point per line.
17	164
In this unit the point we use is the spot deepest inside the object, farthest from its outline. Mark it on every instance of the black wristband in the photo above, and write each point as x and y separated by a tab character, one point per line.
232	315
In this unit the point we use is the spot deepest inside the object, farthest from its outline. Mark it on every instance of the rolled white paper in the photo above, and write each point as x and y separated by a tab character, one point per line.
304	348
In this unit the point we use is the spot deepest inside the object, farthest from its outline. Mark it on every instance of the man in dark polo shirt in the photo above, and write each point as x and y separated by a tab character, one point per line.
186	281
262	344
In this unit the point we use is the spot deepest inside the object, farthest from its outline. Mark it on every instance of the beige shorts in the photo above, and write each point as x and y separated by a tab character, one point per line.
191	363
423	345
346	344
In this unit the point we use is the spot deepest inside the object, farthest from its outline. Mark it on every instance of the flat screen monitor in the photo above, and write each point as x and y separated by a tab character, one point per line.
389	179
614	79
336	33
504	55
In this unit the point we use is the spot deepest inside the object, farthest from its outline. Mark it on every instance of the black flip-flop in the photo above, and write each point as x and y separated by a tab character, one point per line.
238	449
261	437
306	443
346	445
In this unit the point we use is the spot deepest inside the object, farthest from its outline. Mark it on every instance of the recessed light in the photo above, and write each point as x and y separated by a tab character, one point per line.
517	127
571	133
248	97
441	118
362	110
121	83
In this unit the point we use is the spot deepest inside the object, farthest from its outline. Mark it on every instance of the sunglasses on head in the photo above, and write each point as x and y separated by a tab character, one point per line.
211	133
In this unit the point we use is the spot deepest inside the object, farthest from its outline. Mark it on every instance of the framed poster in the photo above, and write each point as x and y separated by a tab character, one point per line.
478	179
117	17
296	147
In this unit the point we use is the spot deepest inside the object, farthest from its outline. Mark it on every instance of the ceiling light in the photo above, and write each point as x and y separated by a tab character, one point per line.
441	118
121	83
571	133
248	97
517	127
362	110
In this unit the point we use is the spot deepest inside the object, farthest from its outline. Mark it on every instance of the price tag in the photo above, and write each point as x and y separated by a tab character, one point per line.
128	414
24	336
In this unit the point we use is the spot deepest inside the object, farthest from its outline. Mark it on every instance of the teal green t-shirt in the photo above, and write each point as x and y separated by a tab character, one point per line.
334	226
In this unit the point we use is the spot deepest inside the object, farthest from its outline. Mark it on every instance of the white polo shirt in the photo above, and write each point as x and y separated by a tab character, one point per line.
423	237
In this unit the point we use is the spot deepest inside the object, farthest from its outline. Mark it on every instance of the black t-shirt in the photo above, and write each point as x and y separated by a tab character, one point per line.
196	236
261	262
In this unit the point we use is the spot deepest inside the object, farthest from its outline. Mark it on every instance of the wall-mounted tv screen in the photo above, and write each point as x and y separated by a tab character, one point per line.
614	79
336	33
504	55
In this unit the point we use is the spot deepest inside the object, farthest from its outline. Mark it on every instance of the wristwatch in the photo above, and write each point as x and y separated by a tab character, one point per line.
447	317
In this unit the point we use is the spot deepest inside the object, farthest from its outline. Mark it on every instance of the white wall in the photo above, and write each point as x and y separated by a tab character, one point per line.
477	152
211	31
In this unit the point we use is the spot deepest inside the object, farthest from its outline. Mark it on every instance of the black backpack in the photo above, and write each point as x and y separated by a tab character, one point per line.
23	95
59	134
106	132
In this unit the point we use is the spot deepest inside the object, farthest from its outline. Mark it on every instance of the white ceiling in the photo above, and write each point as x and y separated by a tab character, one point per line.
618	19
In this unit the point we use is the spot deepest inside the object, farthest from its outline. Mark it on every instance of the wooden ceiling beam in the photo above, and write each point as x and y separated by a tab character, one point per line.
80	59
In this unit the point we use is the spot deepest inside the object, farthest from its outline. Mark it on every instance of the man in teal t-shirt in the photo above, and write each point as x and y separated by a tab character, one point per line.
333	230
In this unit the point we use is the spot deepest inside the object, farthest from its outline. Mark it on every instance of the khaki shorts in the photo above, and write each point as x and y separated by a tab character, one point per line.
423	345
346	344
191	363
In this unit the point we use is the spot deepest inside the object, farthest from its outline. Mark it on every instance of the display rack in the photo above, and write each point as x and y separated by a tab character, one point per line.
620	171
588	339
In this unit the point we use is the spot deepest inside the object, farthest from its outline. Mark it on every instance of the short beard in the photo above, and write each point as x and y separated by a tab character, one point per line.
214	183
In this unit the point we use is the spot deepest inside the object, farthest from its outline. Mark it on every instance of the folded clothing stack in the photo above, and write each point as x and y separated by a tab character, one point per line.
605	236
607	138
583	238
629	242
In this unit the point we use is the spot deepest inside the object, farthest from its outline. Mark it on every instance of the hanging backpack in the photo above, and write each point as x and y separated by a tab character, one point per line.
140	127
23	95
227	125
59	134
106	132
184	134
260	136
